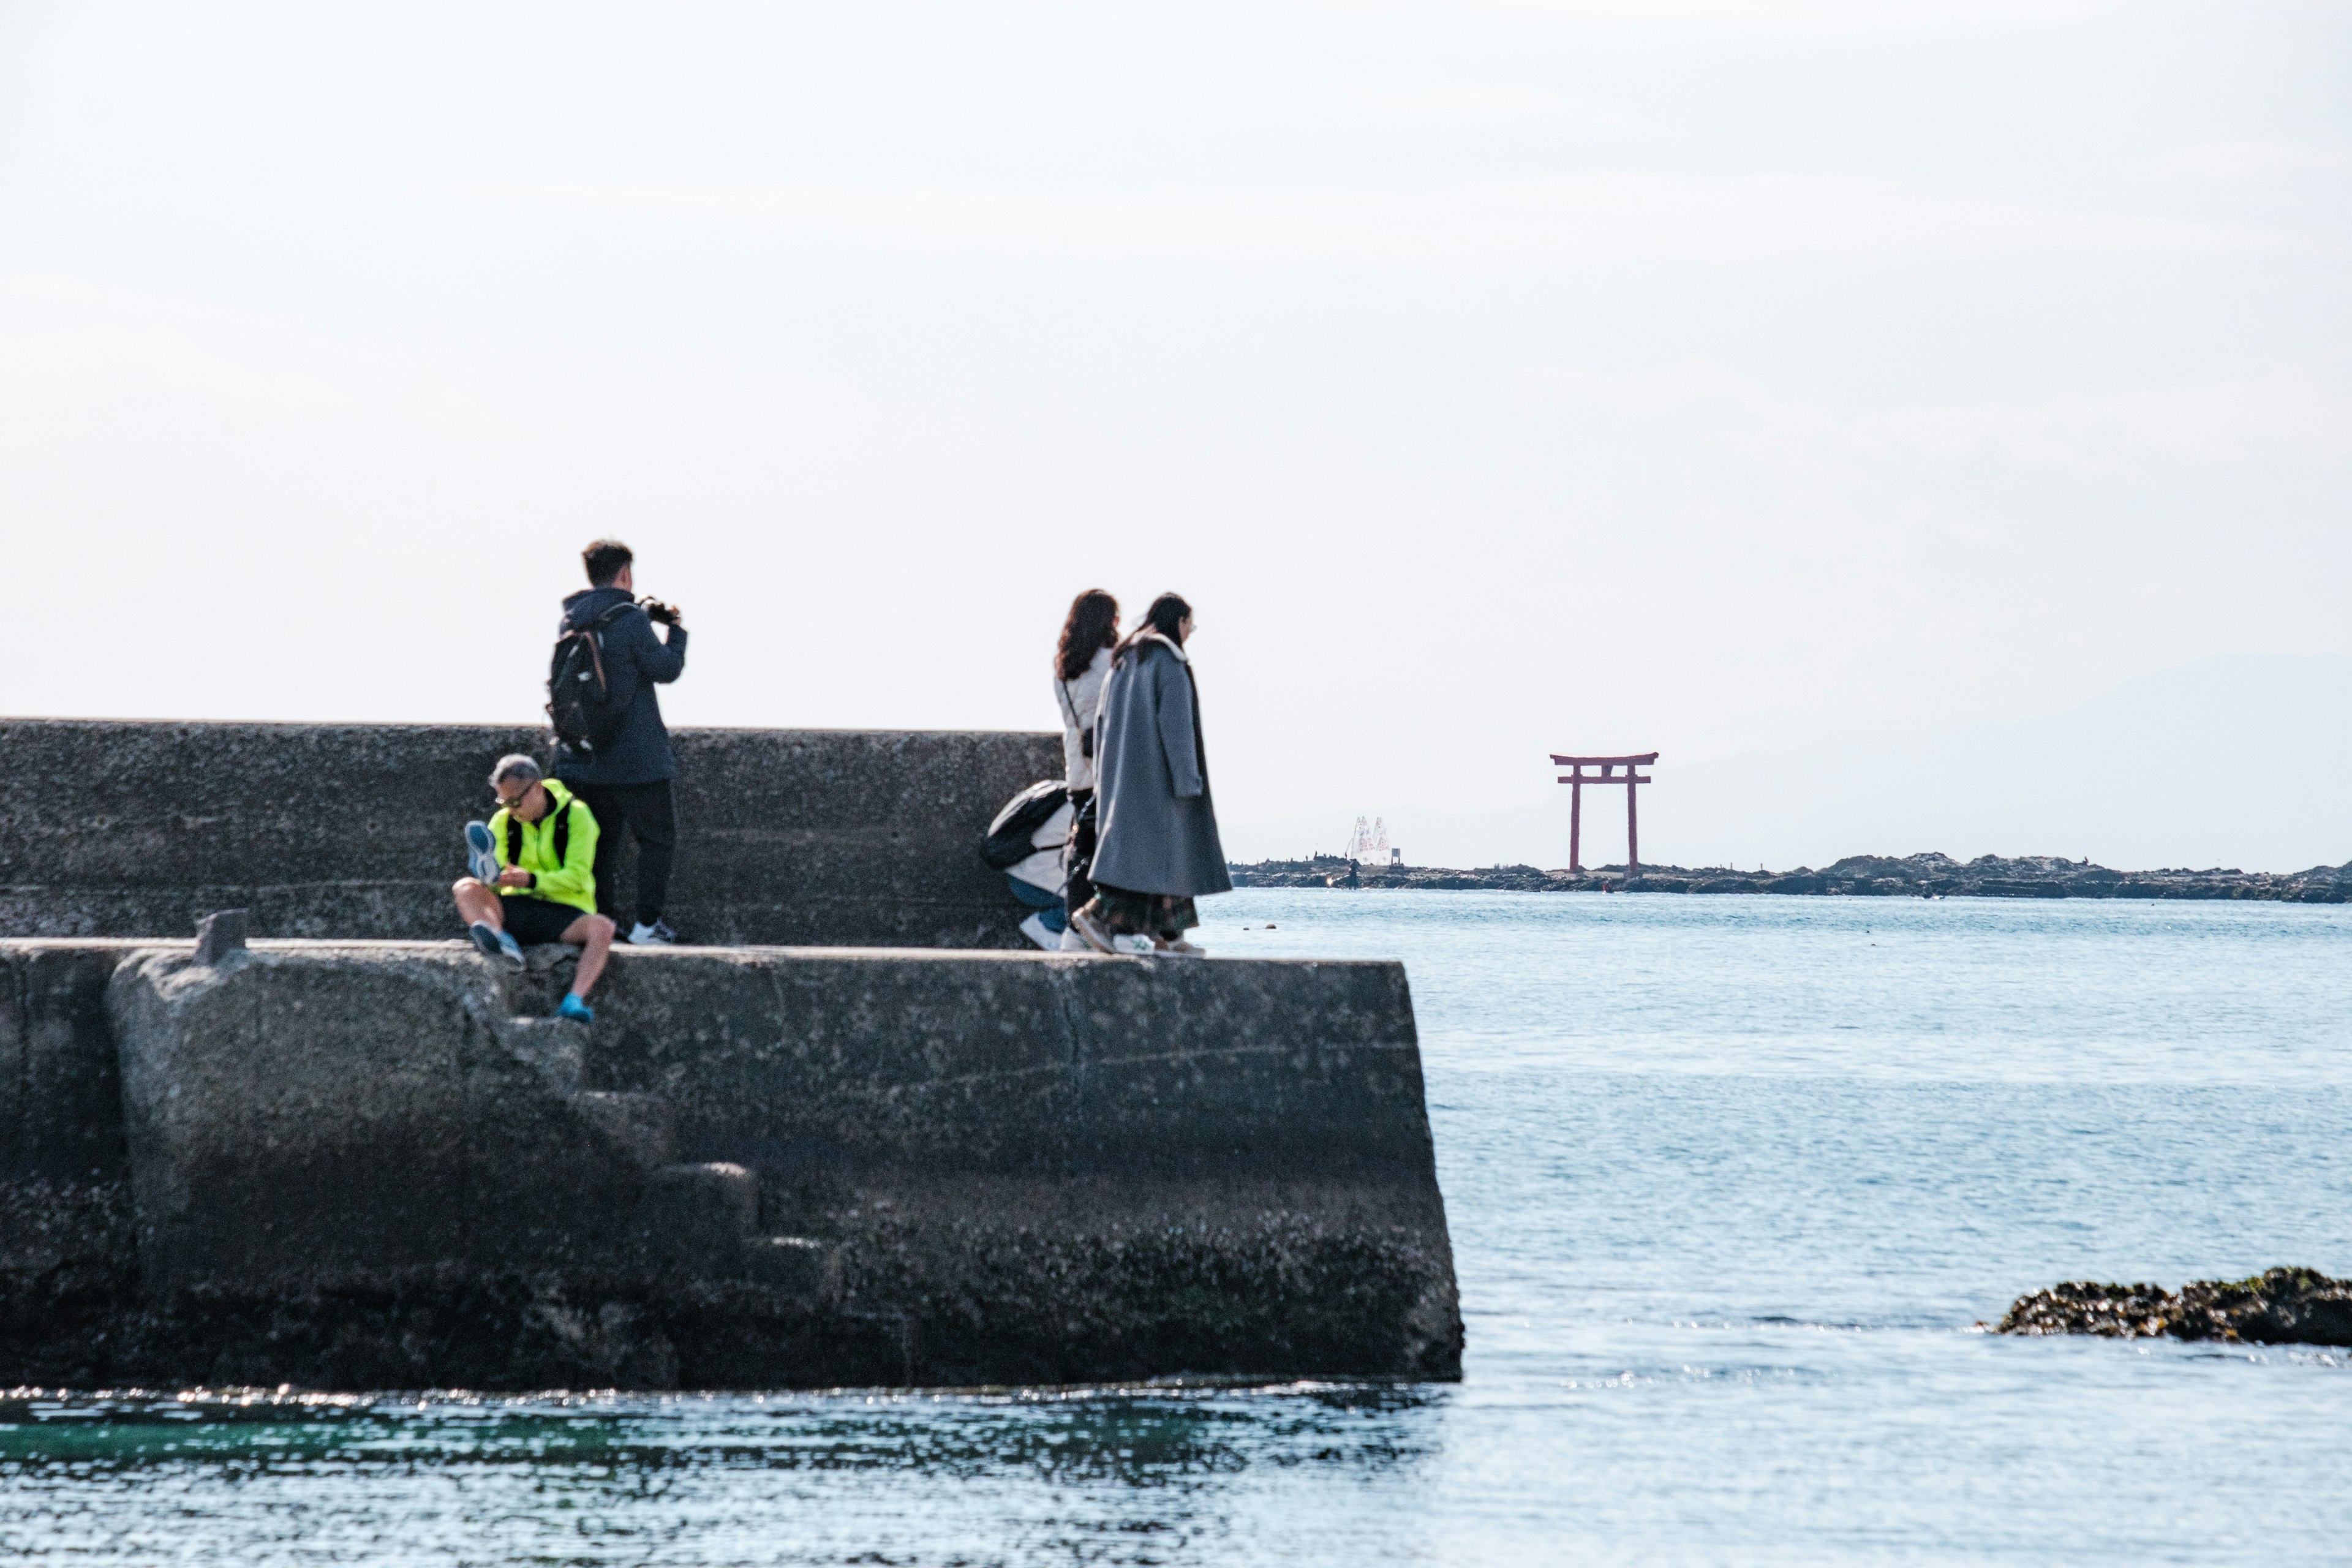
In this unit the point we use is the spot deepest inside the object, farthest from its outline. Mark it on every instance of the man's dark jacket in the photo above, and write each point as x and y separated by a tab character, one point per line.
636	660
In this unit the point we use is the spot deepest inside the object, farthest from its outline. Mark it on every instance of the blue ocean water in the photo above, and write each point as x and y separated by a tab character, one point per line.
1730	1182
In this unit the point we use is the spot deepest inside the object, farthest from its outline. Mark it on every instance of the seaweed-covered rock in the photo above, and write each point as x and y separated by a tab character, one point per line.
2279	1306
2084	1307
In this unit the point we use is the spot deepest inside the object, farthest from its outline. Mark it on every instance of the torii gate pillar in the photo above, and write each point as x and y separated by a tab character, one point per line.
1576	778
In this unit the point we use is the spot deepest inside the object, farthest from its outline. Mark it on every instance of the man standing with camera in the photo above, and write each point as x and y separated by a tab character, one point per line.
625	777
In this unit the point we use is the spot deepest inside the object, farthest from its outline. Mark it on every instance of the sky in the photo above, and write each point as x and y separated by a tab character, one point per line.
1724	378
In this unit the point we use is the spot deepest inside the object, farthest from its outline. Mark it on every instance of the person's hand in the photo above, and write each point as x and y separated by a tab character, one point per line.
668	614
514	877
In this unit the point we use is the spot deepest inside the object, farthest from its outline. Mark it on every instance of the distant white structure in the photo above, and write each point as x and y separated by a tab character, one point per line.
1368	845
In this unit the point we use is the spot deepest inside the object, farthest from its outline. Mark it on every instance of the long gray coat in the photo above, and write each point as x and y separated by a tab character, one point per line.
1158	830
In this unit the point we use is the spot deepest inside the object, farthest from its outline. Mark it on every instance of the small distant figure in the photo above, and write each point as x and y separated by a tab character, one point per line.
1081	664
1158	847
615	752
533	879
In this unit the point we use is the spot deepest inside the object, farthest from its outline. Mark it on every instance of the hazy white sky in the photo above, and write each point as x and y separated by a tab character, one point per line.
1707	376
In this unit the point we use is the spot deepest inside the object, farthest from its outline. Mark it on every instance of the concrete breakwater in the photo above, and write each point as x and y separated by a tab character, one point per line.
346	1162
381	1164
1865	875
121	829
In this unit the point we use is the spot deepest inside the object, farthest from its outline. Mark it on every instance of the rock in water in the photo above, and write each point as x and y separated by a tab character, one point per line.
2280	1306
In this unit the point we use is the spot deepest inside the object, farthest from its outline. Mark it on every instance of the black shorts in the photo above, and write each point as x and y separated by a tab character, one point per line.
535	921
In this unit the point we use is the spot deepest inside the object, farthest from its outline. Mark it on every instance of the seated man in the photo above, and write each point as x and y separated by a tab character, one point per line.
534	878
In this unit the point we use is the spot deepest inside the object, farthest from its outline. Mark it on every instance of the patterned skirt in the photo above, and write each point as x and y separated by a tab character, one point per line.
1152	914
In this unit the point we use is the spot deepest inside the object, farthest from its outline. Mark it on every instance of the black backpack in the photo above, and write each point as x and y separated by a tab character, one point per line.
1011	838
579	694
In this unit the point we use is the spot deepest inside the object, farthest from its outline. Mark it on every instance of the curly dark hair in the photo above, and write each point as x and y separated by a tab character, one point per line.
1165	617
1093	623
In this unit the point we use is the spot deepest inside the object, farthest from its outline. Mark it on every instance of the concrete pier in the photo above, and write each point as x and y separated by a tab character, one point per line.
300	1151
381	1164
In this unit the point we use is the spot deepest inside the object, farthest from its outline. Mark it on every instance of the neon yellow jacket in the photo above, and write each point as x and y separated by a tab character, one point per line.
571	880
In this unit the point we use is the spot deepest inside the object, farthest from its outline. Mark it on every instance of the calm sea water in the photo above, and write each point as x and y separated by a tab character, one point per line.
1731	1180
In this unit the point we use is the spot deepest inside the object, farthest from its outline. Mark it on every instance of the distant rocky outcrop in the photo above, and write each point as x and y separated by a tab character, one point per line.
1874	876
2281	1306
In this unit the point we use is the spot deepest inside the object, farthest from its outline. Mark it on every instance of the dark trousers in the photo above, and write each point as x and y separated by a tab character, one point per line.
651	818
1081	858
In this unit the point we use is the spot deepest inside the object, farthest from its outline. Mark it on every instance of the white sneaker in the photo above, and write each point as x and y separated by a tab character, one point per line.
657	934
1133	941
1093	932
1183	949
1073	942
1033	928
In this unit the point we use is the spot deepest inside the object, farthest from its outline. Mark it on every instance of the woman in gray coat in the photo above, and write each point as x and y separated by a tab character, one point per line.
1156	835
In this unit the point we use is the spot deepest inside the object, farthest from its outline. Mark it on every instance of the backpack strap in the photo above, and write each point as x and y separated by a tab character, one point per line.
587	637
588	634
1085	731
562	836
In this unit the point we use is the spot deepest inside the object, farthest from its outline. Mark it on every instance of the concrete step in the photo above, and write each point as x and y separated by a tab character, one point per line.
555	1046
696	1217
644	1122
794	1263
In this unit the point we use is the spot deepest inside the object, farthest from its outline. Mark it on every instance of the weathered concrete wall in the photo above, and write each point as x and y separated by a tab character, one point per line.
67	1251
355	1165
60	1104
1055	1169
313	1109
862	838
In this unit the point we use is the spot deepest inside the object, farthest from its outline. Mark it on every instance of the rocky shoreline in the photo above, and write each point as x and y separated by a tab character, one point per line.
1872	876
2281	1306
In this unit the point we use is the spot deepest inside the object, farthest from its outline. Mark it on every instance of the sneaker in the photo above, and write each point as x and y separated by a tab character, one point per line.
1033	928
1096	934
495	943
481	854
1135	942
1072	941
573	1008
657	934
1183	949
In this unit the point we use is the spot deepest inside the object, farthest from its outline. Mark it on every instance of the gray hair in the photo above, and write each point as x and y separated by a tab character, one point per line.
515	767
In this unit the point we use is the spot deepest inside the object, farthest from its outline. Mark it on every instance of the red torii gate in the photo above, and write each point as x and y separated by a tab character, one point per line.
1576	778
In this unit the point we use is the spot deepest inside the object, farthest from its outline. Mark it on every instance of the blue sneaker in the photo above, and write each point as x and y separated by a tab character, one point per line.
481	854
495	943
576	1010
